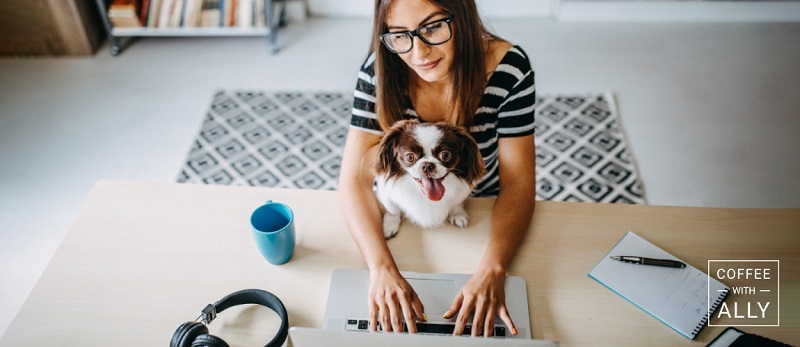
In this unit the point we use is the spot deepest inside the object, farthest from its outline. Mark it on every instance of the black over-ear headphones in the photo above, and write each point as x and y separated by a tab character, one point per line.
195	334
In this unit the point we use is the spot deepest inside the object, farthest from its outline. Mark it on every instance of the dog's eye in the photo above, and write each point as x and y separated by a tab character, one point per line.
410	157
444	156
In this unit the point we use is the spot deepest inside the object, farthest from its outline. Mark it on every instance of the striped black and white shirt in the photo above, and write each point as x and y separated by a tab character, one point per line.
505	110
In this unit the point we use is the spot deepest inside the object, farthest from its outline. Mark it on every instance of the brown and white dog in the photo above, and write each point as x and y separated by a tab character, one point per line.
426	171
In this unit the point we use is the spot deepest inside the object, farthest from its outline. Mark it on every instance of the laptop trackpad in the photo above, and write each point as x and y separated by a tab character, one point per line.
436	295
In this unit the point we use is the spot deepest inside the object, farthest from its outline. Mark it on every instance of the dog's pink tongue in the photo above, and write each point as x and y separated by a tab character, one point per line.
433	188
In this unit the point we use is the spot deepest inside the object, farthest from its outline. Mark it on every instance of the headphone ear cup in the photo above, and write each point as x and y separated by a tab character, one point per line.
187	333
207	340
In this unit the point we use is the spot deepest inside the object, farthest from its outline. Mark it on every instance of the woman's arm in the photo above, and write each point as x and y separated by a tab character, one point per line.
391	298
511	217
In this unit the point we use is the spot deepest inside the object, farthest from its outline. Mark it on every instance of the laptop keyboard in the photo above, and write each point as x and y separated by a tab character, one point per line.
423	328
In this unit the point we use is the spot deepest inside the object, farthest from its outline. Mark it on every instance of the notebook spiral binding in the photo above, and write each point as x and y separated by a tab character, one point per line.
711	310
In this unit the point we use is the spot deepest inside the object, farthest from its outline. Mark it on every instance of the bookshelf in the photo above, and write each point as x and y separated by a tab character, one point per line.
119	36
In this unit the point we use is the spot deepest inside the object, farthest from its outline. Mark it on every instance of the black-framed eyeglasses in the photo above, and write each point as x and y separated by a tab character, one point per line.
433	33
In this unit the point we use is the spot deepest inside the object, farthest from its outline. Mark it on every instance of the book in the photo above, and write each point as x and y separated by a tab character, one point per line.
244	13
163	13
176	15
171	13
210	14
681	298
124	13
192	13
123	8
153	13
227	10
259	17
144	12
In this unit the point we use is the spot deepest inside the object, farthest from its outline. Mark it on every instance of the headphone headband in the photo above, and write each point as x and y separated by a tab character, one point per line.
242	297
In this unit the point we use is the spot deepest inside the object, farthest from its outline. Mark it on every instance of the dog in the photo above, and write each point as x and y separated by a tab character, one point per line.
426	171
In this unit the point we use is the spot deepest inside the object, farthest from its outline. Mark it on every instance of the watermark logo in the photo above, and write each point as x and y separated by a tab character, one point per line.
754	298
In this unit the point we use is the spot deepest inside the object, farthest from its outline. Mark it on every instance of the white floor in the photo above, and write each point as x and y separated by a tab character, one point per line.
712	112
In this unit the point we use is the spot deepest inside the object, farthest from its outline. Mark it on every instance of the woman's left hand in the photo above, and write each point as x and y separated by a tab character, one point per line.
484	294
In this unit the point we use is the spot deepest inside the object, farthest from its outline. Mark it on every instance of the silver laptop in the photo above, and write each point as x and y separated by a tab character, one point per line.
311	337
347	309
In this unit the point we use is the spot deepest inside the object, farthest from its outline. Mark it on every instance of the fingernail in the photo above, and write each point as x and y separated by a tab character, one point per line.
425	317
514	331
446	314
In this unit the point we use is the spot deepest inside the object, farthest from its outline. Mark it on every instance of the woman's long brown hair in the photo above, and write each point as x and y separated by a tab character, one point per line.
468	68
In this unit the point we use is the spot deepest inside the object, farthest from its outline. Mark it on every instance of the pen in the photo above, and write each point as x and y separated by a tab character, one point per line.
649	261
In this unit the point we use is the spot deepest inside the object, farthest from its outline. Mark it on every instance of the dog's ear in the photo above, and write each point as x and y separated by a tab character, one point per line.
386	164
471	162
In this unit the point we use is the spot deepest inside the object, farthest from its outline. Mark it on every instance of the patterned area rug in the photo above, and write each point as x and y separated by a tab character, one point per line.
295	139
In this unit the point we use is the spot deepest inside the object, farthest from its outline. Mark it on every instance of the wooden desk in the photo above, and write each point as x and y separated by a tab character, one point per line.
142	258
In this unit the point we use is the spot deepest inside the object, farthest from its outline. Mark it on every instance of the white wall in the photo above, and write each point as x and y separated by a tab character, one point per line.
600	10
677	11
489	8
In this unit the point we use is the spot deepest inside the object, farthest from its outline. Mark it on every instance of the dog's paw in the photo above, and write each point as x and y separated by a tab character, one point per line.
459	219
391	225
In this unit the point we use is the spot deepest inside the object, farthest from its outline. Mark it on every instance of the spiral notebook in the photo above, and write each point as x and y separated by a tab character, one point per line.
678	297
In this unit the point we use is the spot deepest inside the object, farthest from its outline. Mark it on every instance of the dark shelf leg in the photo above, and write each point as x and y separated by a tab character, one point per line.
116	44
272	24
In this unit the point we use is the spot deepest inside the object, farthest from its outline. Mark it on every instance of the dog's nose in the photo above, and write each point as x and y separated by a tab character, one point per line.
428	167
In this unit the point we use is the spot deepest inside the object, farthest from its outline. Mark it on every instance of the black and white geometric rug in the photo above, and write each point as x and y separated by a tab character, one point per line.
295	139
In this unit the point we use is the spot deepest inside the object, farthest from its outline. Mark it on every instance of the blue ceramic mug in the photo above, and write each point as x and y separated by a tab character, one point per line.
273	229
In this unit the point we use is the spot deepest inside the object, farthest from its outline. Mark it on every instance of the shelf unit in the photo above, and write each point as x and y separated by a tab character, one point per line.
118	35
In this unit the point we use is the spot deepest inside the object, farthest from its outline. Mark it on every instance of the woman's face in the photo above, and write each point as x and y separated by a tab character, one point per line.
431	62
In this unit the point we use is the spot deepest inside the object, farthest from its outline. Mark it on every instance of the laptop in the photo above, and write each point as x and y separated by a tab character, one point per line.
313	337
347	308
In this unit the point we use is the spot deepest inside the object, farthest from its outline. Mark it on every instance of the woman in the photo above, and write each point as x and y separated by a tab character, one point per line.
433	60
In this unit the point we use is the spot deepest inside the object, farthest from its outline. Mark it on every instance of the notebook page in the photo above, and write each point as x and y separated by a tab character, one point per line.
676	296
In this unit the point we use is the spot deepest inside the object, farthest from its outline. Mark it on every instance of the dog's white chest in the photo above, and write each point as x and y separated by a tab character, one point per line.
406	195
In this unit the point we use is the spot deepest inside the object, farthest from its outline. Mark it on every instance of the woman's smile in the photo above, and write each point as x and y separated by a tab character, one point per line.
430	65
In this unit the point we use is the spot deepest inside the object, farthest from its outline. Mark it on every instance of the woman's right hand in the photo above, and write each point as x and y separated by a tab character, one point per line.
391	298
393	301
